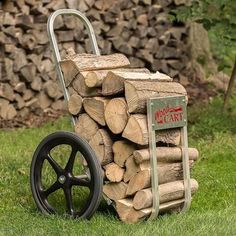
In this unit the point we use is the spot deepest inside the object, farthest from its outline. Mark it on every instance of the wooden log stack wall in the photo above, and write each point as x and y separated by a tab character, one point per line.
138	28
108	100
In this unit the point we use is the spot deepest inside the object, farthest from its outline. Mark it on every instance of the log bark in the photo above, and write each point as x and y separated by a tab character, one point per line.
75	104
122	150
165	154
95	107
113	83
86	127
116	115
115	191
167	192
88	62
136	131
114	173
131	169
167	172
96	78
128	214
101	143
137	93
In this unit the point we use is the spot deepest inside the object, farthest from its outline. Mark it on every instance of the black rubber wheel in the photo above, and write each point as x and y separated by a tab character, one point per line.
65	179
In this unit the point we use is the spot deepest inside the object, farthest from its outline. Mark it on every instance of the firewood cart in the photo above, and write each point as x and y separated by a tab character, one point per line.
58	164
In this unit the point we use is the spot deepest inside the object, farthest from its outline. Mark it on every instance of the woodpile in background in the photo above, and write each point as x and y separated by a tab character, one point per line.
138	28
108	98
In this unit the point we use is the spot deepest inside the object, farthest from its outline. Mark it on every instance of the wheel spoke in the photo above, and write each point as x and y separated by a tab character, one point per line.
54	164
70	163
52	189
69	203
81	180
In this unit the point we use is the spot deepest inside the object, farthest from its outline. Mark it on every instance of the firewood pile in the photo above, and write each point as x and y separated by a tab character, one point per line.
138	28
108	98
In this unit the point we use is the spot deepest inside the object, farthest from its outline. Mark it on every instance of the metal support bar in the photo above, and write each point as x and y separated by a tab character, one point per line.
54	45
153	162
186	171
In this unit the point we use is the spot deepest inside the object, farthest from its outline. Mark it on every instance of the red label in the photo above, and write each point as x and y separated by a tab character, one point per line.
169	114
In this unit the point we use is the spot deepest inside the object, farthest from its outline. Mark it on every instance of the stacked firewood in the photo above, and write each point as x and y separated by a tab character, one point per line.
108	100
138	28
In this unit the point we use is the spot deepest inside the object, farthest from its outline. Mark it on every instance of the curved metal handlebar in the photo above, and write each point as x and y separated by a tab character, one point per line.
54	45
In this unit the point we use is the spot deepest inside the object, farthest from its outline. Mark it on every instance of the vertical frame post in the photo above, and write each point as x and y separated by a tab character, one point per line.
153	161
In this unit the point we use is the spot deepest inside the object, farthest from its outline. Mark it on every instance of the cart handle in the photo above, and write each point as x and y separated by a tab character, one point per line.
54	45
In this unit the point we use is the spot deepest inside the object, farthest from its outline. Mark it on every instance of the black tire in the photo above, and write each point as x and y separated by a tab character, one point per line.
65	178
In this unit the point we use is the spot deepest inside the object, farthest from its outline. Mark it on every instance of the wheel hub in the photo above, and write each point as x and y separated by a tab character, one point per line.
62	179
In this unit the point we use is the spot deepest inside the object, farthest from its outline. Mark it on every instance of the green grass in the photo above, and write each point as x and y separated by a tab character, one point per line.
213	210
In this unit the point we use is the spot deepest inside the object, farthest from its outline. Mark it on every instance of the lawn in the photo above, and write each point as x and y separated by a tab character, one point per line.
213	210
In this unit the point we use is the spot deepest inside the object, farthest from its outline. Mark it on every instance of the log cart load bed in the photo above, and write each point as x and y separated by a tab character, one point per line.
129	143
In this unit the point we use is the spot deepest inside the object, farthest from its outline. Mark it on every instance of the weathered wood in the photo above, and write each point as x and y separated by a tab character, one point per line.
113	83
137	93
114	173
95	107
131	169
6	91
95	78
165	154
75	104
128	214
37	83
101	143
116	115
136	131
86	127
167	172
69	71
122	150
80	87
115	191
88	62
52	89
167	192
7	110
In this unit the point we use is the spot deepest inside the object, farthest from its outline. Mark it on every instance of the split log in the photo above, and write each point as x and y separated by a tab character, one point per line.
128	214
116	115
165	154
113	83
88	62
96	78
75	104
122	150
137	93
115	191
114	173
101	143
167	192
7	110
131	169
69	71
81	88
136	131
95	107
86	127
167	172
